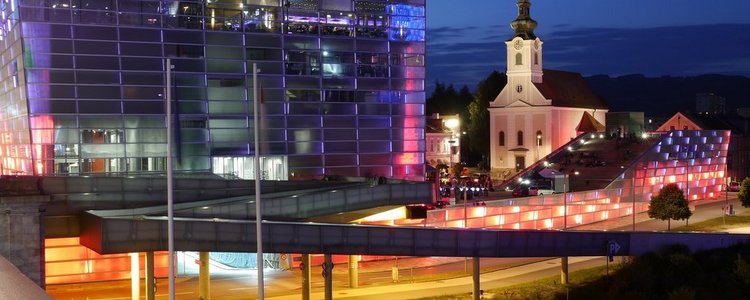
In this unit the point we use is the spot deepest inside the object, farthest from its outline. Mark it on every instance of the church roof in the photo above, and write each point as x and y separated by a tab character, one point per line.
589	124
569	89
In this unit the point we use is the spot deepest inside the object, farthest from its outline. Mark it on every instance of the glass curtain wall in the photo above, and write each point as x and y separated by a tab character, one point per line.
341	84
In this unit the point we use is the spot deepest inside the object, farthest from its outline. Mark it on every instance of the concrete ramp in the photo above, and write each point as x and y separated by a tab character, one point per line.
14	285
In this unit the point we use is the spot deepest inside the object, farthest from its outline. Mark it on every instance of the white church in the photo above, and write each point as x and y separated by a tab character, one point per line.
538	110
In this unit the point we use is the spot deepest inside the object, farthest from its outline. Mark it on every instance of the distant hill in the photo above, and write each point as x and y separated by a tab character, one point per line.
663	96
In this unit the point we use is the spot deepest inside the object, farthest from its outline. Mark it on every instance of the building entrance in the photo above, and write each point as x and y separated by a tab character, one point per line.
520	163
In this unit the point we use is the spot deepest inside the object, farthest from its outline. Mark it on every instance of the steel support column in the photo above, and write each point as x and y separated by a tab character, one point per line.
150	279
204	277
135	271
328	272
475	277
564	270
353	271
305	267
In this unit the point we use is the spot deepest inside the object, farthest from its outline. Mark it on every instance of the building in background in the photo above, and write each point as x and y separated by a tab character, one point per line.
341	81
443	140
624	124
710	103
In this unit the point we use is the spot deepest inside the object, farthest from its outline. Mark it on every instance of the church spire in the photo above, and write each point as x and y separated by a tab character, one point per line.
524	25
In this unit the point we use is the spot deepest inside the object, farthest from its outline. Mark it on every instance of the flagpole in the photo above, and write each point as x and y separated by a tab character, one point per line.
258	233
170	191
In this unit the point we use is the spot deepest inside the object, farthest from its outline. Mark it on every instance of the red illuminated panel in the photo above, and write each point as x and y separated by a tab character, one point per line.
43	139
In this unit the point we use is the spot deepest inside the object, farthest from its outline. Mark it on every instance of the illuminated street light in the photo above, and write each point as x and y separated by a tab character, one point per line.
453	125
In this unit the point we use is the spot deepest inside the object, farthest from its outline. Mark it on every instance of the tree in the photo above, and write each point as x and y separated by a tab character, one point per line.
479	118
670	204
744	193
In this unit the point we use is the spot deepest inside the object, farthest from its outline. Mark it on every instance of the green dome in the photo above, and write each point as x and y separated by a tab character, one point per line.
524	25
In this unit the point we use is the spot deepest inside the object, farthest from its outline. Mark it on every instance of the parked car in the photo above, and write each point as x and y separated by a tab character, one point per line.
538	191
734	186
520	191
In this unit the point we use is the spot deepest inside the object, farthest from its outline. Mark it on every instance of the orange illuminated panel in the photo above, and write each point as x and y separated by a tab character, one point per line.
66	261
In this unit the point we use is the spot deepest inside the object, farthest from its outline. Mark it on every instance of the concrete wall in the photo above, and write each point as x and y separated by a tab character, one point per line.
21	240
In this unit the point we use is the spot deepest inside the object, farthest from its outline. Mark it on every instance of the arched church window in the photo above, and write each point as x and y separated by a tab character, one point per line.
538	137
501	138
519	59
536	58
520	138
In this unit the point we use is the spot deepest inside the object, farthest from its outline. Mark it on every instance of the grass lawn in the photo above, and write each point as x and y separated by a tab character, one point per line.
718	224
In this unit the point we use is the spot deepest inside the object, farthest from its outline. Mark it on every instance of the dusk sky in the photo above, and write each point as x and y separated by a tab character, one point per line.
654	38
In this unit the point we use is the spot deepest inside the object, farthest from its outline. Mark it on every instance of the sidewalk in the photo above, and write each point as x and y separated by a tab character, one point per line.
706	210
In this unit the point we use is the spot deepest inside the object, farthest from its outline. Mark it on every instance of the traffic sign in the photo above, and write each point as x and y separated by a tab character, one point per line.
612	248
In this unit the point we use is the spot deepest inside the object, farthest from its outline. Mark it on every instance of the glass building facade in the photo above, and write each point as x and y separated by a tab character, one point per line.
341	84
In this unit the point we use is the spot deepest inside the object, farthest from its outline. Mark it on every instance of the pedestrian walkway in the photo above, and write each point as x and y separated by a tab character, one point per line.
707	210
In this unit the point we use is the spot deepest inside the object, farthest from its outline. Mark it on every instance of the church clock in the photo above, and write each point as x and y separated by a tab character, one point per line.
518	45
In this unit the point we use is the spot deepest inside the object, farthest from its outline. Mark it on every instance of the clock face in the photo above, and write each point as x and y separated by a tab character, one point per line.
518	45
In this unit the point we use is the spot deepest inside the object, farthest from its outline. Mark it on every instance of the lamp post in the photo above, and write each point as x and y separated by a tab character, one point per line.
170	185
258	207
632	188
538	143
726	201
564	259
452	124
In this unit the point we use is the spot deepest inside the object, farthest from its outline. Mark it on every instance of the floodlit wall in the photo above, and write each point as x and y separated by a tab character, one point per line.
66	261
694	160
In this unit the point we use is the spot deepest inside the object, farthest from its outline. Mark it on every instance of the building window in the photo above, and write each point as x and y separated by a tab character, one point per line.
501	138
536	58
538	137
519	59
520	138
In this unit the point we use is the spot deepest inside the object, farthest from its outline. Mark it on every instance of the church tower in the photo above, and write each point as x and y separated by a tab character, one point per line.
524	58
538	110
524	48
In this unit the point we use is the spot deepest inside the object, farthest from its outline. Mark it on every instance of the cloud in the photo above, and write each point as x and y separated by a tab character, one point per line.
467	55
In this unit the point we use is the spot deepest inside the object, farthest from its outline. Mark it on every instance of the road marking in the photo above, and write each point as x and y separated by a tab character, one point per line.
125	298
386	277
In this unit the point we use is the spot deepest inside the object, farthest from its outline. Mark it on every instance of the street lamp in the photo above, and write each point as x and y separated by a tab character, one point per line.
538	143
452	124
564	259
726	201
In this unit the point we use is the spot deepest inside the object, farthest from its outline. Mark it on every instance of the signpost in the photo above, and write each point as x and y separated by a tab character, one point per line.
612	248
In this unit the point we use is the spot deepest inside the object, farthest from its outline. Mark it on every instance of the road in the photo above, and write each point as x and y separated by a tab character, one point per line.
375	280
